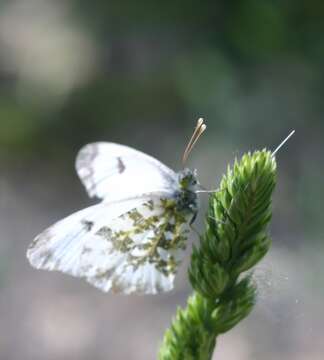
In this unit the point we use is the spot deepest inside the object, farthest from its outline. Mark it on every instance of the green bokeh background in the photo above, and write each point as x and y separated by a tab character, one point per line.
141	73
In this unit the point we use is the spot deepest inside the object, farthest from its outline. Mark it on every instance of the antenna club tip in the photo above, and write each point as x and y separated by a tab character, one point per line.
200	121
200	128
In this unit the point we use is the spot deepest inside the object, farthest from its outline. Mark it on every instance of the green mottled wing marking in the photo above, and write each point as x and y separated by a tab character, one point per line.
151	234
132	246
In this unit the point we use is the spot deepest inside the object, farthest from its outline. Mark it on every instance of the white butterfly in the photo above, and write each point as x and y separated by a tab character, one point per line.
133	241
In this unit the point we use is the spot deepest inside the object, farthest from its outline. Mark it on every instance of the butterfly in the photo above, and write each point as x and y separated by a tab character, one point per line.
134	239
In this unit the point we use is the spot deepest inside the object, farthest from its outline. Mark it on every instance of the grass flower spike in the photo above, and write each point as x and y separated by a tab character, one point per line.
234	241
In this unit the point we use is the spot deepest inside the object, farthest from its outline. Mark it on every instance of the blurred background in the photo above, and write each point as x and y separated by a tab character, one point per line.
141	73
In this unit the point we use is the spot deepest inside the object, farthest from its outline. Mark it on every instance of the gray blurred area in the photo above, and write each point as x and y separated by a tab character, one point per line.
141	73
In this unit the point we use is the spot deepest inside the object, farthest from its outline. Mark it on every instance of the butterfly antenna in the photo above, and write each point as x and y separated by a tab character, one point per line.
199	129
282	143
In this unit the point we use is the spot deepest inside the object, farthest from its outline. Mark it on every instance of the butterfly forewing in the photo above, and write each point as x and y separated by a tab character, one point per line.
111	171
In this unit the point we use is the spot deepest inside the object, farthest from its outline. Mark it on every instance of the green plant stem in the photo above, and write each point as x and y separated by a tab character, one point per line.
234	241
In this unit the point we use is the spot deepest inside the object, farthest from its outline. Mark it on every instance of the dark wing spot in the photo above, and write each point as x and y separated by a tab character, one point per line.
88	225
121	165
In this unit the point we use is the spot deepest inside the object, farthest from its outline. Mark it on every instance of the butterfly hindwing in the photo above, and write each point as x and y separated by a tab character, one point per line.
60	246
133	246
138	252
111	171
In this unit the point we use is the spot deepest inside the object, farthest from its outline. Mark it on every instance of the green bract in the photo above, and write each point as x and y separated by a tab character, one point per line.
234	241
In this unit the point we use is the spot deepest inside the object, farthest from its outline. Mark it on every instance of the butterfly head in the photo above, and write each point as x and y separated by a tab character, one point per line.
188	180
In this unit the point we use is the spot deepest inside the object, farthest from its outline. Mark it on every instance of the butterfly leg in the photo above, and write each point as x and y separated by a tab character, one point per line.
192	227
206	191
194	217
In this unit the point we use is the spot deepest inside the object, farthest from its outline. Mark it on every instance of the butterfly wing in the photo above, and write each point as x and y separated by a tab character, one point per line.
134	246
60	246
112	172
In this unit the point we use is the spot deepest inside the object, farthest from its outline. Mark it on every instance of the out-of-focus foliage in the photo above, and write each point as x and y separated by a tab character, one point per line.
78	66
141	73
77	71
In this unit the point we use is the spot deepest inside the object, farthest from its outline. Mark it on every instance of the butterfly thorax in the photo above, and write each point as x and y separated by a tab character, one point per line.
186	197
